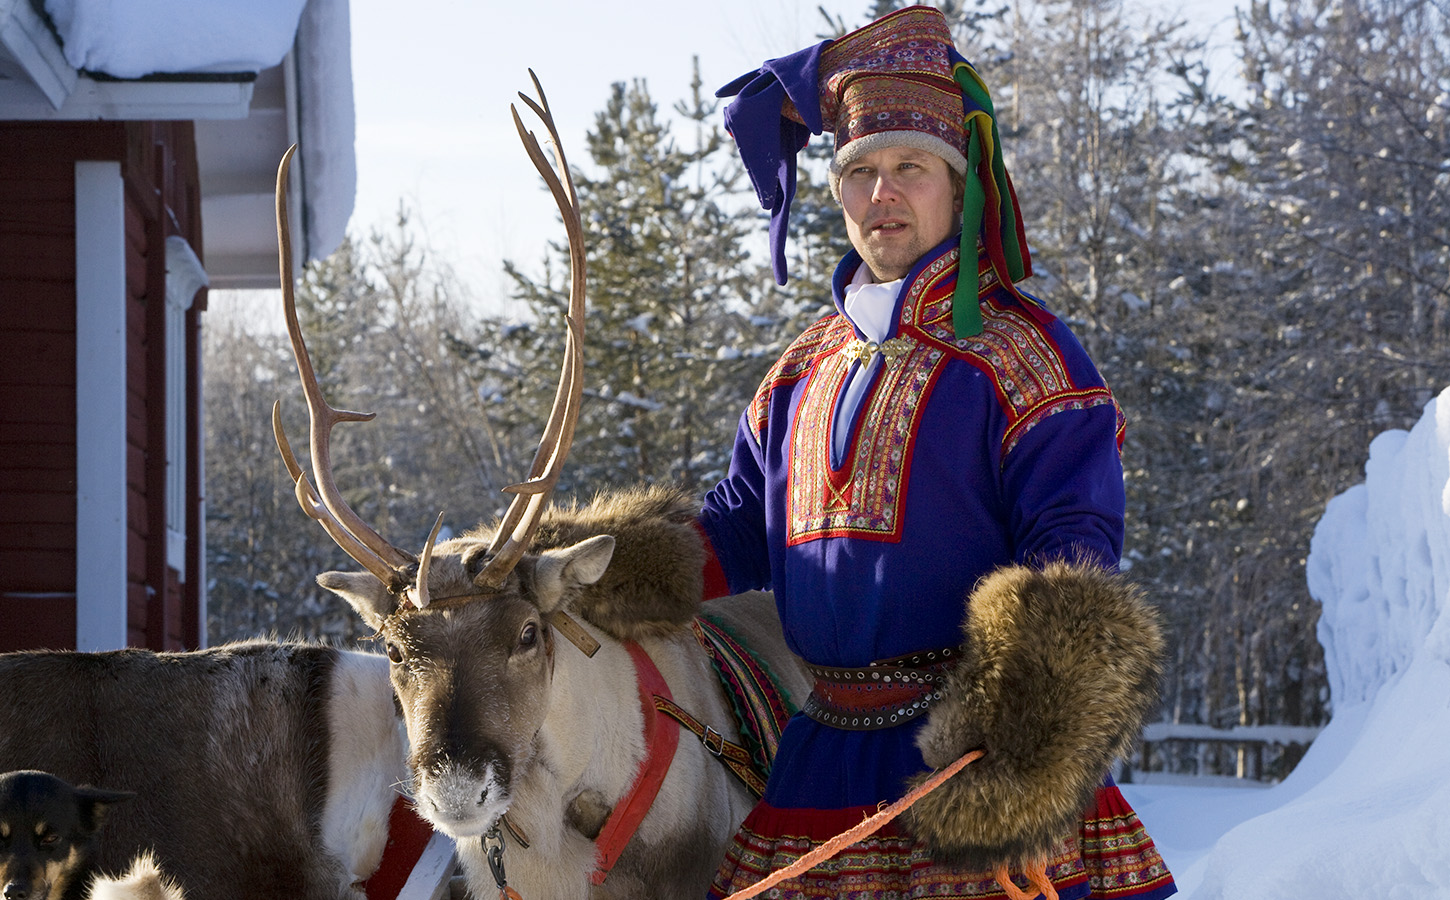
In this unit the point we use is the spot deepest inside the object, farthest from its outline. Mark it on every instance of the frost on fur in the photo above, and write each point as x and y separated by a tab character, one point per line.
1059	669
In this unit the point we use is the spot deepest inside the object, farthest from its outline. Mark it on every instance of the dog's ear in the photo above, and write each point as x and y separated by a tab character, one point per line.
95	803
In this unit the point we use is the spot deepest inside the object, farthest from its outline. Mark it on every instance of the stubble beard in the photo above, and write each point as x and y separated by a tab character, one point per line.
892	261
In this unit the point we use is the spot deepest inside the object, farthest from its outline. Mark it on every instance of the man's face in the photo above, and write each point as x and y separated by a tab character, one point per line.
899	203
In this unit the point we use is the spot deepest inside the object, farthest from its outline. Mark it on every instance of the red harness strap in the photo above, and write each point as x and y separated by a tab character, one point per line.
660	739
408	835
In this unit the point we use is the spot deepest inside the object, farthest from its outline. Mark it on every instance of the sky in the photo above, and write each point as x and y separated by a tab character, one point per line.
433	88
1363	814
433	123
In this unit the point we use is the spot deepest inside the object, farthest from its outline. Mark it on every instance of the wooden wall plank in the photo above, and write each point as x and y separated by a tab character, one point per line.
37	404
47	621
38	570
59	480
33	507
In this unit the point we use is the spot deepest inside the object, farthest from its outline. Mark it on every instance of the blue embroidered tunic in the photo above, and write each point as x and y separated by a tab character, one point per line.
963	456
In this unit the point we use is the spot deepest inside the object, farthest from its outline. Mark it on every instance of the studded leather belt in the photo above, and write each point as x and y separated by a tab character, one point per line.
881	695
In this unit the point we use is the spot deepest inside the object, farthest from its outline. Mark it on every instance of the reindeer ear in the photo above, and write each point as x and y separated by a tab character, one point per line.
94	803
559	572
363	592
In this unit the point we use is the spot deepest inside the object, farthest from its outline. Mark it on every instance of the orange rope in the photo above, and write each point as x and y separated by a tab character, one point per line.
867	828
1036	872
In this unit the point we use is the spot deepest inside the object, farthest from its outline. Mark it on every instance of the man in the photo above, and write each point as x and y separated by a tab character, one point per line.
940	428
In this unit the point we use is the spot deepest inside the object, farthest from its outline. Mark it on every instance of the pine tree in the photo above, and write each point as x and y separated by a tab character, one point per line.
676	318
384	329
1332	286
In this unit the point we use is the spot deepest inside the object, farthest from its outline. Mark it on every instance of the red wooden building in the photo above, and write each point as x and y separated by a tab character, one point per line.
121	202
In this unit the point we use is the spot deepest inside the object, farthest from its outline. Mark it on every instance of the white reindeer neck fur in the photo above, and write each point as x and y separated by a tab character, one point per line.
592	740
366	759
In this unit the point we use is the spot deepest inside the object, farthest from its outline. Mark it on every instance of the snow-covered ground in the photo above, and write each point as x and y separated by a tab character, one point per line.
1367	812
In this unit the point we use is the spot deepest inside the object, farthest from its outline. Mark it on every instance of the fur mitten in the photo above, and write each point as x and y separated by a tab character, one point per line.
655	579
1058	670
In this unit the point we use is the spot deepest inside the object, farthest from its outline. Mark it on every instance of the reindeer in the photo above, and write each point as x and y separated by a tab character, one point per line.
260	769
505	727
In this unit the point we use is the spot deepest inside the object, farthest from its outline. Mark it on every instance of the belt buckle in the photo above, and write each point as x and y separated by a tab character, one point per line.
718	747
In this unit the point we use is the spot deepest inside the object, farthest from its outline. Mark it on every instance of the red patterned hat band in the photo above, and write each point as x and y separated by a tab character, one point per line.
891	84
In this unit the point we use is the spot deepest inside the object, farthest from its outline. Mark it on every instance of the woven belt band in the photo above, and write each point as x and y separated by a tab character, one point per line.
881	695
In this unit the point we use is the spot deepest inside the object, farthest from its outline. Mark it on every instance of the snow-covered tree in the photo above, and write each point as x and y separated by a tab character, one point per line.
387	333
678	333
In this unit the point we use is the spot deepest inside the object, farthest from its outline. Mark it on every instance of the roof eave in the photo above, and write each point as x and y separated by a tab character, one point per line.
37	84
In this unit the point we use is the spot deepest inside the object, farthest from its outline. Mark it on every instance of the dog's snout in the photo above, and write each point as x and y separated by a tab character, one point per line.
16	890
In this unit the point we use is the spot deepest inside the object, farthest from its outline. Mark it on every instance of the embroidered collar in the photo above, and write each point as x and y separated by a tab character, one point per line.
934	276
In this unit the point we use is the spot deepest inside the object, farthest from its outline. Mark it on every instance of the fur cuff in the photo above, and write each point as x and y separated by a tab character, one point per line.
1058	670
655	580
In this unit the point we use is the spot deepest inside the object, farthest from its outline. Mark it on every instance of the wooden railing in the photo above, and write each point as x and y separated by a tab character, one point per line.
1244	752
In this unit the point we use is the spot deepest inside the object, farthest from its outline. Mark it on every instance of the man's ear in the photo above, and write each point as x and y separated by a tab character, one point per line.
559	572
364	593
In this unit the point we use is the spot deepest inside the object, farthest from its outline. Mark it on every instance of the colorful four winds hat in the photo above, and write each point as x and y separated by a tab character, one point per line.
896	82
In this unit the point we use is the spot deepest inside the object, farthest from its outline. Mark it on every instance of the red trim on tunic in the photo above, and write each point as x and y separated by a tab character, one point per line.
1123	861
865	497
790	368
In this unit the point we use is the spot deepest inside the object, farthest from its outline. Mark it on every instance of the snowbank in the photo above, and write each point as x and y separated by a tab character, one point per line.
1364	815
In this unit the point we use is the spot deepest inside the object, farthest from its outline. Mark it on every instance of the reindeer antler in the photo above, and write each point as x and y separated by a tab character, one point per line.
386	562
391	566
522	518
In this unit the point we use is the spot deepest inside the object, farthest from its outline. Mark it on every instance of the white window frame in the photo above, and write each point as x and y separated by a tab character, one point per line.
184	278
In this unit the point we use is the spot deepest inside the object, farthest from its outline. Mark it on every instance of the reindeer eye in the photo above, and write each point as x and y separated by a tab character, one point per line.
529	636
395	653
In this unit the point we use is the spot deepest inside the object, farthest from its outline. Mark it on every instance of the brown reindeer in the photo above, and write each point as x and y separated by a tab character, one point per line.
500	719
259	769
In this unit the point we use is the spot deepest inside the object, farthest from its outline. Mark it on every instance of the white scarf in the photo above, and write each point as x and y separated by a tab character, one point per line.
869	306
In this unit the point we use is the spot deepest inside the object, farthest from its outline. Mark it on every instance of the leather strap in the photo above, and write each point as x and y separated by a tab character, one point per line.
660	743
735	757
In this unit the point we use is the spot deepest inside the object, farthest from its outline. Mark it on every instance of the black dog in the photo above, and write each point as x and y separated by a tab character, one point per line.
48	835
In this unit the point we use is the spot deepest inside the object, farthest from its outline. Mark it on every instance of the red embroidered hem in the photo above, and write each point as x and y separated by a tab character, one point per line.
1112	858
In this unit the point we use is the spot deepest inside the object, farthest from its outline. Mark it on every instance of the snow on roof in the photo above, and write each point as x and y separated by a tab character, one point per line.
328	126
311	102
134	38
